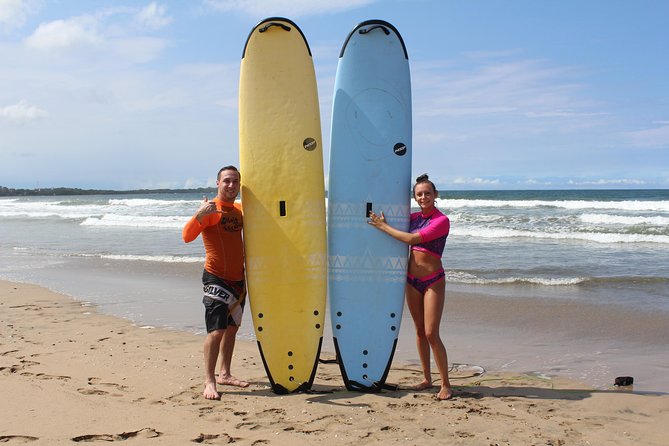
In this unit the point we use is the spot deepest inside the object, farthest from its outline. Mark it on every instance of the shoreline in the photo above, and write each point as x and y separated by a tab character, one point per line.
587	342
88	376
590	343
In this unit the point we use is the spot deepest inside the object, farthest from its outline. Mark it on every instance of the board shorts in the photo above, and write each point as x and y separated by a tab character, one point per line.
223	301
421	284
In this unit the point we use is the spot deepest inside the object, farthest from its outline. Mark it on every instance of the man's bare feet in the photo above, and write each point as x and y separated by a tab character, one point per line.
423	385
210	391
445	393
231	381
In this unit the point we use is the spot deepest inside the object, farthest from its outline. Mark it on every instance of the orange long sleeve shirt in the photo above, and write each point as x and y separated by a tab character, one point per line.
222	238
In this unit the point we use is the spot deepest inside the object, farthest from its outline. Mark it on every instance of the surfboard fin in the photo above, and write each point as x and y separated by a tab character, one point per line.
304	386
376	387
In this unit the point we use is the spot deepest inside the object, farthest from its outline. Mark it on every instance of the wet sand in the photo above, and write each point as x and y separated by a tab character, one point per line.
509	332
70	374
590	343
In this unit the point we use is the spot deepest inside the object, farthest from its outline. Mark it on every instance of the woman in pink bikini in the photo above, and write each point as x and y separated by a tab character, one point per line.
426	285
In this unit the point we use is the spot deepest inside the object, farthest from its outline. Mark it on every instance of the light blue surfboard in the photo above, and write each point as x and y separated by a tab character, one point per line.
370	169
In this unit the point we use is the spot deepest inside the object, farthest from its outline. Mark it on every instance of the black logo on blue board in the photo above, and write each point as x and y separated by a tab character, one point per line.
400	149
310	144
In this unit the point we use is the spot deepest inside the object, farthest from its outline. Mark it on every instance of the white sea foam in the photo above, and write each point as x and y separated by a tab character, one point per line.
655	206
72	215
463	277
147	202
132	221
608	219
47	209
597	237
148	258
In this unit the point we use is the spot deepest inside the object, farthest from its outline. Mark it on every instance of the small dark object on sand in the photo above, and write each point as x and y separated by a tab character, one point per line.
623	381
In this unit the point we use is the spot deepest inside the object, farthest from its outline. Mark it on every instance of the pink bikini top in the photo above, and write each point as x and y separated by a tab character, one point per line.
433	230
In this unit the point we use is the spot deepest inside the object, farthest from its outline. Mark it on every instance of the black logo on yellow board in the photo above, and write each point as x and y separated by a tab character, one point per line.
310	144
400	149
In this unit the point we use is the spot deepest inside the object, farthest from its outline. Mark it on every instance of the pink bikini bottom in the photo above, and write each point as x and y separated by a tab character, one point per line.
421	284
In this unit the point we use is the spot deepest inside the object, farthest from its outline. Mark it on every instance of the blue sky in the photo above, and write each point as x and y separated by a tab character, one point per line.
516	94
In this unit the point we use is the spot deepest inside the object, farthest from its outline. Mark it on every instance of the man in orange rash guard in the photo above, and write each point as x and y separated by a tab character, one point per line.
220	223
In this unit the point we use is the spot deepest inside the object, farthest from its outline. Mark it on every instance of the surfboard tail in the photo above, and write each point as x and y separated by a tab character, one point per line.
281	389
370	386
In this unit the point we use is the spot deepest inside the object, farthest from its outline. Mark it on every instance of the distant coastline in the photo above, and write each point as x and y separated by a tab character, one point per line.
481	194
57	191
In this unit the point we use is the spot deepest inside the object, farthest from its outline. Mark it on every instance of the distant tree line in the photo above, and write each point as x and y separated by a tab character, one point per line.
52	191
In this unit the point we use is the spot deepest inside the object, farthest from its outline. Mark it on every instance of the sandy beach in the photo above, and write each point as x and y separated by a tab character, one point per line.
69	374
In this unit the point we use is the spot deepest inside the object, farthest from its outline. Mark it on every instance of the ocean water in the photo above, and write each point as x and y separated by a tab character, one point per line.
598	246
607	248
604	247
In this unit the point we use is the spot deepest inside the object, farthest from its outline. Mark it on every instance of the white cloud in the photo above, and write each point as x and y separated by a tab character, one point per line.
656	137
22	112
563	114
294	8
608	182
194	183
508	109
172	97
13	13
533	88
138	49
184	86
64	34
475	181
154	16
112	34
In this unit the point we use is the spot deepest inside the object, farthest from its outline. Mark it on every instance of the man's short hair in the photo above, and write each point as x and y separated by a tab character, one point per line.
218	176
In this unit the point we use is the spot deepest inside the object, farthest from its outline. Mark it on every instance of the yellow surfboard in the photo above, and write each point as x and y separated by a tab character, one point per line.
283	195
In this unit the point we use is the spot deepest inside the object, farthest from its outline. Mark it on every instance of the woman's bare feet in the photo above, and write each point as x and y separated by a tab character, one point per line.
445	393
423	385
230	380
210	391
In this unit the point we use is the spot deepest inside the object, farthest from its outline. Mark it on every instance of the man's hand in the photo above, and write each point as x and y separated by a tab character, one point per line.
207	208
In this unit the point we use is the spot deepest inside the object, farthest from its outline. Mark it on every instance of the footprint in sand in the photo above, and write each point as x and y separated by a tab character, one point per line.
215	439
190	396
48	377
29	307
321	424
28	363
17	439
264	418
84	391
271	413
464	434
23	364
8	352
11	369
270	418
147	432
249	425
98	388
98	382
